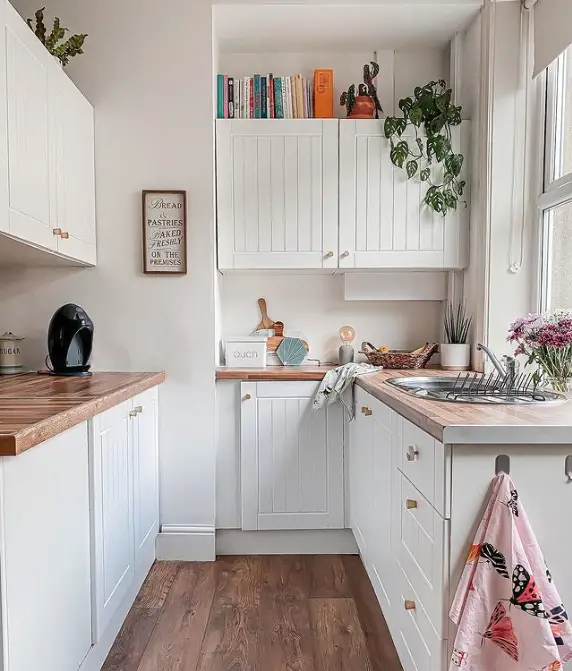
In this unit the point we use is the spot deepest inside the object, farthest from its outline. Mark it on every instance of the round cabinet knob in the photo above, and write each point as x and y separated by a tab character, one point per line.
329	255
344	255
65	235
409	605
57	231
412	453
246	397
410	504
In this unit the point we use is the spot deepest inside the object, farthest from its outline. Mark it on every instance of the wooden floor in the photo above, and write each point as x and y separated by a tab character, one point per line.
272	613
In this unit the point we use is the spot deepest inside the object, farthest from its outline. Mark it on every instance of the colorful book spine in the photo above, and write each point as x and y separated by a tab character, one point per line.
264	97
225	104
323	94
278	104
292	95
300	96
220	96
231	98
257	97
284	97
305	97
271	103
246	97
251	98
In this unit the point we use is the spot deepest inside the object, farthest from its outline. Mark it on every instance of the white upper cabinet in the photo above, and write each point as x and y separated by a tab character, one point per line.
31	194
277	186
383	223
282	206
75	169
47	181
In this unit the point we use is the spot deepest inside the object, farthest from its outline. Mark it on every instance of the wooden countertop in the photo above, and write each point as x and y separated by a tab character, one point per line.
34	408
274	373
455	423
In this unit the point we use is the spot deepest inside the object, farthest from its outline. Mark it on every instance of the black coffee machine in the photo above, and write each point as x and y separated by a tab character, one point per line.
70	339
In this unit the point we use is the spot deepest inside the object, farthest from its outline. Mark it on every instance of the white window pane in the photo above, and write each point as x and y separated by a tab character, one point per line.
559	257
562	123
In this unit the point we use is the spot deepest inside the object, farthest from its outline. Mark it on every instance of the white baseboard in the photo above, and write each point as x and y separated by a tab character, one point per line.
186	543
98	653
327	541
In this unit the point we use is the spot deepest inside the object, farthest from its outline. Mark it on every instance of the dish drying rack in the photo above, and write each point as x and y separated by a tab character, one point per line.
496	388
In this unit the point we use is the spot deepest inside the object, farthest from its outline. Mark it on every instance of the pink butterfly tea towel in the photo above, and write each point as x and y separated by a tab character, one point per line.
507	608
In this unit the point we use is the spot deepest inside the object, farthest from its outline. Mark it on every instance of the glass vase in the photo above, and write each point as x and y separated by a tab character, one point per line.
562	385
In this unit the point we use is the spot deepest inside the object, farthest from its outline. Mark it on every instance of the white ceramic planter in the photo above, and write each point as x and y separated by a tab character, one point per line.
455	357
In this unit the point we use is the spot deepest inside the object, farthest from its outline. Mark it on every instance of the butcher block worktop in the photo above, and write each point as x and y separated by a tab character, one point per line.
275	373
456	423
34	408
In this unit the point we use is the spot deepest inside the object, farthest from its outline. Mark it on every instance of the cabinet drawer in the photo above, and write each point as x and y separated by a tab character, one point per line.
420	543
419	646
423	460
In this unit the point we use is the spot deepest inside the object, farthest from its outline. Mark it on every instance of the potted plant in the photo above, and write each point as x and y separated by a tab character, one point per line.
62	50
366	104
547	342
456	352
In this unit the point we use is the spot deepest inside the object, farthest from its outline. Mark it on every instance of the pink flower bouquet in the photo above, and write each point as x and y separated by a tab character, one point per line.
547	341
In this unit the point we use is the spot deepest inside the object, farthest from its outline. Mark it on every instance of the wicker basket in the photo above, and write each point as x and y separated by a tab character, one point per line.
398	359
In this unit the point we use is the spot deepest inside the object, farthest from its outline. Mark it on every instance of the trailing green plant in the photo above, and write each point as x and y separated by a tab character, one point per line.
457	324
368	88
431	155
63	50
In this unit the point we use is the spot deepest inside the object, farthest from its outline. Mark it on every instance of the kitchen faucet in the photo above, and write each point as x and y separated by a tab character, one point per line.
507	370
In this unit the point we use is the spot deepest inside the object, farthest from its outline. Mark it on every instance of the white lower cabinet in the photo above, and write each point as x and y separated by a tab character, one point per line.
292	464
45	555
125	500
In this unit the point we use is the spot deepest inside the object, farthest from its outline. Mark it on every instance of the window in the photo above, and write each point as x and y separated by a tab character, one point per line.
556	199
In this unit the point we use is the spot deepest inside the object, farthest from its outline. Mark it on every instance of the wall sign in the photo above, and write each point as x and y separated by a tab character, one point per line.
165	232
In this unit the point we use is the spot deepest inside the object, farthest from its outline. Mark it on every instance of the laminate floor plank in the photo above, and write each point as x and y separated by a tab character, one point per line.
382	652
175	644
340	641
130	644
286	638
157	585
239	580
328	579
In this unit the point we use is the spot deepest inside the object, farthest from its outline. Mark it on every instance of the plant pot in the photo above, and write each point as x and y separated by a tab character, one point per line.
455	357
364	108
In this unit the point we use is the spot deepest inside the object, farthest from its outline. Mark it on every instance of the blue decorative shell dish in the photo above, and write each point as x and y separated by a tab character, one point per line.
291	352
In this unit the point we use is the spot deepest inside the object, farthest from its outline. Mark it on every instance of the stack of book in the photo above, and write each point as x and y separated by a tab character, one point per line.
264	97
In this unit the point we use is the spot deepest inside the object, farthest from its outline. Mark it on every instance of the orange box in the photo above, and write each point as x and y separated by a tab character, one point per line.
323	94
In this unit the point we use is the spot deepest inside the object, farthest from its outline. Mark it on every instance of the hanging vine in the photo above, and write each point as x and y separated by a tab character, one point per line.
431	157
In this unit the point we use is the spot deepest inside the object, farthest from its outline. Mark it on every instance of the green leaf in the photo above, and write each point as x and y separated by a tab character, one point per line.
389	126
420	145
454	164
425	174
450	199
405	104
416	115
399	154
461	187
411	168
447	178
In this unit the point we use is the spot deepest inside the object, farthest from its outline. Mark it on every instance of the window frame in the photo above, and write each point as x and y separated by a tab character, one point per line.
556	190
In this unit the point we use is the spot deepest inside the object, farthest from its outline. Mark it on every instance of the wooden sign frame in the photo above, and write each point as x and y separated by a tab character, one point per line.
171	207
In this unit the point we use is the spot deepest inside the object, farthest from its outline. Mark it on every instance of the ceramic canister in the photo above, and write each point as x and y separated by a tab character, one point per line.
10	354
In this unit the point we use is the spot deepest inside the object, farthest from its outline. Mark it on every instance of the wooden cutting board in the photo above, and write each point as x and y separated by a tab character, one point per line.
274	342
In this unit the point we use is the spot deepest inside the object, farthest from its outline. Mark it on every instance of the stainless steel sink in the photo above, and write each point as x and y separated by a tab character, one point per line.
476	388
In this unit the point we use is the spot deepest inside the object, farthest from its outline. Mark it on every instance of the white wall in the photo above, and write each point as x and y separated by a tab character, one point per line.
314	304
147	70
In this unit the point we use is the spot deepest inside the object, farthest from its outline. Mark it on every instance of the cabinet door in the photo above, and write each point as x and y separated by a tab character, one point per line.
30	151
292	467
277	192
46	565
383	223
146	477
112	468
361	477
75	169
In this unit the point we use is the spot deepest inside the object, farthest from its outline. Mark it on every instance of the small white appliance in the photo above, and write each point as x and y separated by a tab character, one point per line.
246	352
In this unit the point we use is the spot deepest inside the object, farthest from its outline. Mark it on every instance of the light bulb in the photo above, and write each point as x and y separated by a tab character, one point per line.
347	334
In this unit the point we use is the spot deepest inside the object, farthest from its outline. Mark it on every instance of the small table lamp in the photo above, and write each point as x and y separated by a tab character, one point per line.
346	352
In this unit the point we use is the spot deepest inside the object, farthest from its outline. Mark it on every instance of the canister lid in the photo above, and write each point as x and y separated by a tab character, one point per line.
10	336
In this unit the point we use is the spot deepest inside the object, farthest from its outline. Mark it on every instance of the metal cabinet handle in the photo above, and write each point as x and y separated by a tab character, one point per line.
410	504
344	255
412	453
409	605
133	413
246	397
57	231
329	255
65	235
366	411
138	409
